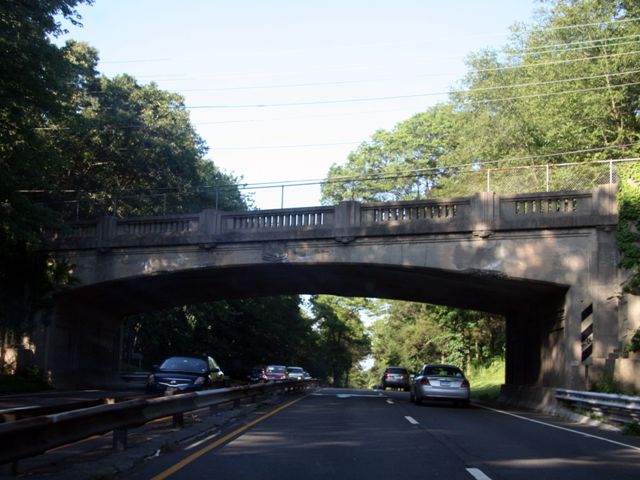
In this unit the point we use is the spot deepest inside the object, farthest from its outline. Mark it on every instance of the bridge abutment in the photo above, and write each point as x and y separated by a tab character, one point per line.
79	347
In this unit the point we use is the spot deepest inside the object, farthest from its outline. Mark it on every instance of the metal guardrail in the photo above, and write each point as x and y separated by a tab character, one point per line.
618	408
20	413
32	436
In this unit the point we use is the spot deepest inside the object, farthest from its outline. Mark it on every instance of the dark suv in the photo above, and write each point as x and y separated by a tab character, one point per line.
396	377
184	374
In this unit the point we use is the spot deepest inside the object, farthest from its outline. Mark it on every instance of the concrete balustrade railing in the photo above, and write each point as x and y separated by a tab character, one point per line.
268	219
484	212
429	211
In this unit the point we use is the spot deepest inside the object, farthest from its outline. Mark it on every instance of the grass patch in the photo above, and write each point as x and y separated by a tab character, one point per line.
486	380
22	384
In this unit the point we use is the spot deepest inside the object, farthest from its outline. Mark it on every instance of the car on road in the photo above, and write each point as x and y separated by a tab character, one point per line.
441	382
306	375
396	377
258	375
185	374
295	373
277	372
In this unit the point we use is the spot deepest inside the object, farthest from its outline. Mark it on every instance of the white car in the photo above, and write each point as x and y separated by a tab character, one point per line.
295	373
441	382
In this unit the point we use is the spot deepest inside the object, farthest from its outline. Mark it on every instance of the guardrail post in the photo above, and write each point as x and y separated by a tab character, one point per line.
178	420
120	439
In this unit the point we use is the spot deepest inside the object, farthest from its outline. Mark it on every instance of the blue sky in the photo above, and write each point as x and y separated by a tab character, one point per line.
278	88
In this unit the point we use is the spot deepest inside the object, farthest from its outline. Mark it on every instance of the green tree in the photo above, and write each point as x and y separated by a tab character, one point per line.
411	334
397	165
33	90
342	339
238	334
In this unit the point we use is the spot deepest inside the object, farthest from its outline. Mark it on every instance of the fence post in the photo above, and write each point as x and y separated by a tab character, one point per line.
488	180
610	172
547	174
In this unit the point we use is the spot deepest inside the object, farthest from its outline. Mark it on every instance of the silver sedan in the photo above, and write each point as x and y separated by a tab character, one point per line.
440	382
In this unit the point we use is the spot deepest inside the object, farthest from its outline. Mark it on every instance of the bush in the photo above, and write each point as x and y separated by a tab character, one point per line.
632	428
605	384
487	380
634	343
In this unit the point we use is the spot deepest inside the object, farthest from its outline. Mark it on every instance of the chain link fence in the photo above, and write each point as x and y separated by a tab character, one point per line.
409	185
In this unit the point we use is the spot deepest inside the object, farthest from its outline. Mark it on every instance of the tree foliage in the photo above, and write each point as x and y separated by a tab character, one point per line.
238	334
342	339
412	334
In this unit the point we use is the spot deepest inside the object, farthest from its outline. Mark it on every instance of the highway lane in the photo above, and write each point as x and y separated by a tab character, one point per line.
368	434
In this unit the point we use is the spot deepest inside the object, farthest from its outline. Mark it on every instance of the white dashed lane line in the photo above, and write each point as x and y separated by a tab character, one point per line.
412	420
389	401
477	474
474	472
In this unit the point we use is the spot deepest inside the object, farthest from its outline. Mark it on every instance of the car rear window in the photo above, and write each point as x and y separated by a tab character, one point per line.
443	371
184	364
275	369
399	370
294	369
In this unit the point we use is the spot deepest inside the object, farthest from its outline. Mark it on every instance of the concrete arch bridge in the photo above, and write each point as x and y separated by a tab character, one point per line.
547	262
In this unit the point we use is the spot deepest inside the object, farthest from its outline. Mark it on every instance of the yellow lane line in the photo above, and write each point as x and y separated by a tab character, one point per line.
77	442
183	463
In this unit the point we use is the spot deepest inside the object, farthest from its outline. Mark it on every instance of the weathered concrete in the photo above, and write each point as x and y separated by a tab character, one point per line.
547	262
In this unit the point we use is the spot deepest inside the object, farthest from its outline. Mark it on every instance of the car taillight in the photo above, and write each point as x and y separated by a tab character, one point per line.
424	381
387	375
465	384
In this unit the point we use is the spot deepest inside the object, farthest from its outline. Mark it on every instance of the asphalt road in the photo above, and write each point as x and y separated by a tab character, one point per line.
358	434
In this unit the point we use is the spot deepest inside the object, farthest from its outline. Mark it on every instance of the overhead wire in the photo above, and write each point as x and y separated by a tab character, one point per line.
475	166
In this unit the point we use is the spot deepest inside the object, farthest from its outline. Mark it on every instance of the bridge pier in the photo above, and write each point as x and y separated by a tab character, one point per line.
78	346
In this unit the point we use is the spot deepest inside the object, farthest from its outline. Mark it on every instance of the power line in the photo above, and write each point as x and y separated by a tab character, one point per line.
554	62
551	94
553	46
373	99
586	47
179	76
361	177
269	147
451	92
593	24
